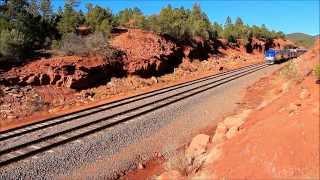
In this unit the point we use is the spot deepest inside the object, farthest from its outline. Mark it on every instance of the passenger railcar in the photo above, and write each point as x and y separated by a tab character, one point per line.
272	56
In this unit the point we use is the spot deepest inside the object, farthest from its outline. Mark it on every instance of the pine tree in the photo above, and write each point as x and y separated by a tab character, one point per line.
239	22
98	18
33	8
70	18
218	29
131	18
72	3
46	9
228	22
196	11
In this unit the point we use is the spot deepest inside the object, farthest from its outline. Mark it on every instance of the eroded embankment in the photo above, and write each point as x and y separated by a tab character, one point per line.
275	133
48	87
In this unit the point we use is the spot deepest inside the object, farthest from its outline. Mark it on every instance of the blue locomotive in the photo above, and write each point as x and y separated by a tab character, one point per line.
272	56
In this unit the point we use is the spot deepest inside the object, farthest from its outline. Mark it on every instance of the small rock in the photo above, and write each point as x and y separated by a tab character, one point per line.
219	135
213	155
28	88
292	107
17	95
237	120
157	154
170	175
141	166
304	94
197	146
221	128
204	175
34	80
232	121
154	79
232	132
7	88
11	117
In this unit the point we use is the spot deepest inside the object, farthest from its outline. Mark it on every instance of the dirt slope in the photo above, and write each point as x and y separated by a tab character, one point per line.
147	53
280	139
70	72
274	134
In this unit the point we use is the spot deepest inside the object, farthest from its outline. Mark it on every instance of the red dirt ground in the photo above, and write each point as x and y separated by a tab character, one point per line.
275	143
281	140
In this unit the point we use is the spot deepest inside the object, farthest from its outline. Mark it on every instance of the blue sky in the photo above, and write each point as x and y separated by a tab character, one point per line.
286	15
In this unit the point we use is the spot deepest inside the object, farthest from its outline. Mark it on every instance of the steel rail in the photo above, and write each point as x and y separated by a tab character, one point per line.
109	124
78	114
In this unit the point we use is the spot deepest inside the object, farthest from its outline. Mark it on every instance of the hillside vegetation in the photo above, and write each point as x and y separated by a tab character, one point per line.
301	39
27	26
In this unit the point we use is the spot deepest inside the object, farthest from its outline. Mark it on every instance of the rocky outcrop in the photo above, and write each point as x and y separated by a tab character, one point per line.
71	72
198	49
260	45
197	147
146	53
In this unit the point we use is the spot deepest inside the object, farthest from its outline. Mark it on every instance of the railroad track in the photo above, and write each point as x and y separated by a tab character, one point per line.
26	141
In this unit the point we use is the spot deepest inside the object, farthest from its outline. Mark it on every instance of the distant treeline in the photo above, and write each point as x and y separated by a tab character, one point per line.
301	39
30	25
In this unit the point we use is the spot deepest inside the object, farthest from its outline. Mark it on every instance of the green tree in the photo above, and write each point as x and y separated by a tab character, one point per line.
33	8
46	9
174	22
239	22
72	3
70	19
229	31
218	29
228	22
200	24
98	18
152	23
131	18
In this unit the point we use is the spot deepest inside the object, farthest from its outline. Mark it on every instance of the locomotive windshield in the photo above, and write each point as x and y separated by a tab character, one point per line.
270	53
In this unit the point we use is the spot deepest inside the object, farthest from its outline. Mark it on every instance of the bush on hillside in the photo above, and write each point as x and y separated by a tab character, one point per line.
317	71
12	44
73	44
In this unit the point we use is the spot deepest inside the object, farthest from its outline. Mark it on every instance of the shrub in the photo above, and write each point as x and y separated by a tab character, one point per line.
55	44
37	104
317	71
105	27
179	163
12	44
73	44
290	71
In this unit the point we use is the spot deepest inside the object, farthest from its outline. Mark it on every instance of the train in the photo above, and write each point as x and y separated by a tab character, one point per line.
272	56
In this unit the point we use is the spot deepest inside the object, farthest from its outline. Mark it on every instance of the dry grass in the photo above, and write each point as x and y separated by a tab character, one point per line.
317	71
290	71
178	162
38	104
